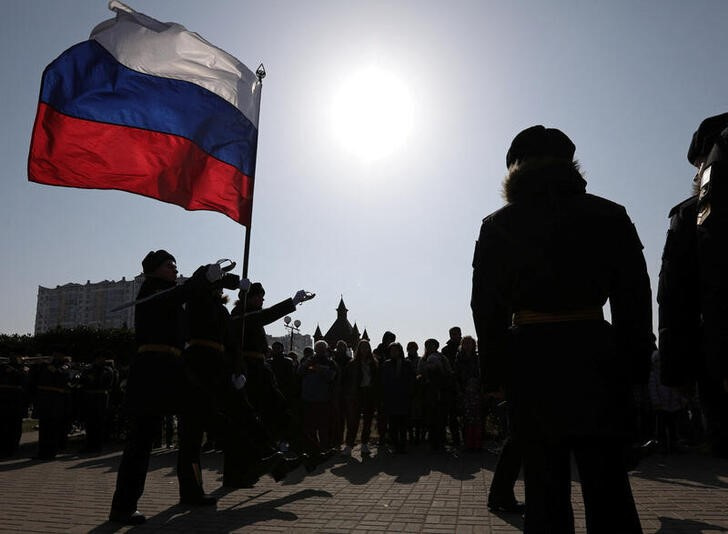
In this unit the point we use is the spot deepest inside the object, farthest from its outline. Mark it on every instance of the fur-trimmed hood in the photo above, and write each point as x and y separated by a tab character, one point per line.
543	176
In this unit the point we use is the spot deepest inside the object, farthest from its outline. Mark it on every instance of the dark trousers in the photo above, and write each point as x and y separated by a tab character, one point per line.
666	429
11	428
316	425
506	474
436	419
245	439
338	422
382	425
134	463
361	407
189	474
51	436
608	501
398	431
453	421
94	431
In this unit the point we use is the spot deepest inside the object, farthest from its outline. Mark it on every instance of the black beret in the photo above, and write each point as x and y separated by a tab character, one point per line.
256	288
540	142
154	259
705	136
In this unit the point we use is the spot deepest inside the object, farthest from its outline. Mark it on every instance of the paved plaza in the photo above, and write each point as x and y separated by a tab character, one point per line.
416	492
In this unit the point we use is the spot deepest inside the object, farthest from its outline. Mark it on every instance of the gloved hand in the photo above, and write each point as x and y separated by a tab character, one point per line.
244	285
301	296
213	272
230	281
239	381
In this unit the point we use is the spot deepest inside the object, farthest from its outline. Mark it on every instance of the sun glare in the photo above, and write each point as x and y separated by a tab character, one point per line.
372	114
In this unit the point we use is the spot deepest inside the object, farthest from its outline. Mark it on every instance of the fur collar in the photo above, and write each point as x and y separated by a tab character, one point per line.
543	177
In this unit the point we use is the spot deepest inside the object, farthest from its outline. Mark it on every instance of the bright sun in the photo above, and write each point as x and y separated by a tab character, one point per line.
372	114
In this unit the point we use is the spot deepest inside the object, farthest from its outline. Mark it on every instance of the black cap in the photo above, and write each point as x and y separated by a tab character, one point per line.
705	137
256	288
154	259
540	142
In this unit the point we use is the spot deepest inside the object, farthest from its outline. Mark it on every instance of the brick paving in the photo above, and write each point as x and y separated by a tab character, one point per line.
416	492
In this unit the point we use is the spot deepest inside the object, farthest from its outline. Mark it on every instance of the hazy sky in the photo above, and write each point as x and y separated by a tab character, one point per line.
383	133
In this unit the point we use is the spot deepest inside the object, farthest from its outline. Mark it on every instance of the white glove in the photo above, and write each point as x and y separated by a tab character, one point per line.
245	285
213	273
239	381
299	297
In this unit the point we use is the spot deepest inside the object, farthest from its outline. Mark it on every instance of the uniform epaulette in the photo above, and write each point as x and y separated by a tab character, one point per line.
495	214
688	203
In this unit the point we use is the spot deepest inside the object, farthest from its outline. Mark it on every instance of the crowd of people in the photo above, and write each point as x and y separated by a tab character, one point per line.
336	395
407	398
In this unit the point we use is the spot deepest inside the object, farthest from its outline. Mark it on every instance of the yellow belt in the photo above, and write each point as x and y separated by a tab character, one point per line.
160	348
253	354
532	317
206	343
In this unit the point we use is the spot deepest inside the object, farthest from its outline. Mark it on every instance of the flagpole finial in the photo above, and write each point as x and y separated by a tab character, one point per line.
260	72
115	5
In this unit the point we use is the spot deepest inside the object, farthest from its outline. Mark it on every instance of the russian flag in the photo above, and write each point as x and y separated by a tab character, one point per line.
150	108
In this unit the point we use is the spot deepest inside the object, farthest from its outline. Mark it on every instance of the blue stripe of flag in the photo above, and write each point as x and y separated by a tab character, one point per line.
87	82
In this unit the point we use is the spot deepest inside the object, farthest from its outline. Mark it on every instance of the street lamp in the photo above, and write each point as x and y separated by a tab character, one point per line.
292	327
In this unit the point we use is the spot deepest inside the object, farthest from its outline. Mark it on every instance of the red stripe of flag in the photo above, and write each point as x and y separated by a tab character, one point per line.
74	152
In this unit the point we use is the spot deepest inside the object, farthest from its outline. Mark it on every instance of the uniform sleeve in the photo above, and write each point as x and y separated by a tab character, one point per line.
631	302
272	314
490	303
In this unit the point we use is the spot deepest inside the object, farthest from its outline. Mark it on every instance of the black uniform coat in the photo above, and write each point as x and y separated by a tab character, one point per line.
13	390
157	383
97	381
554	248
53	395
682	358
255	321
261	386
712	236
209	322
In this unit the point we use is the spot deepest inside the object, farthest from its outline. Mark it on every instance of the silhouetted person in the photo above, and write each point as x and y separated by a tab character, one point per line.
97	381
359	379
261	390
381	353
318	374
338	405
450	351
53	404
157	384
435	376
469	393
398	381
544	266
416	427
693	288
13	404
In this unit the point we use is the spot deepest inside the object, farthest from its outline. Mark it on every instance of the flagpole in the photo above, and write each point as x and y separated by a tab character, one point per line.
260	74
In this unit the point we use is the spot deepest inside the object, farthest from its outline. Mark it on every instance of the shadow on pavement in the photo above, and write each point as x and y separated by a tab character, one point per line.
210	519
410	467
670	525
692	471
